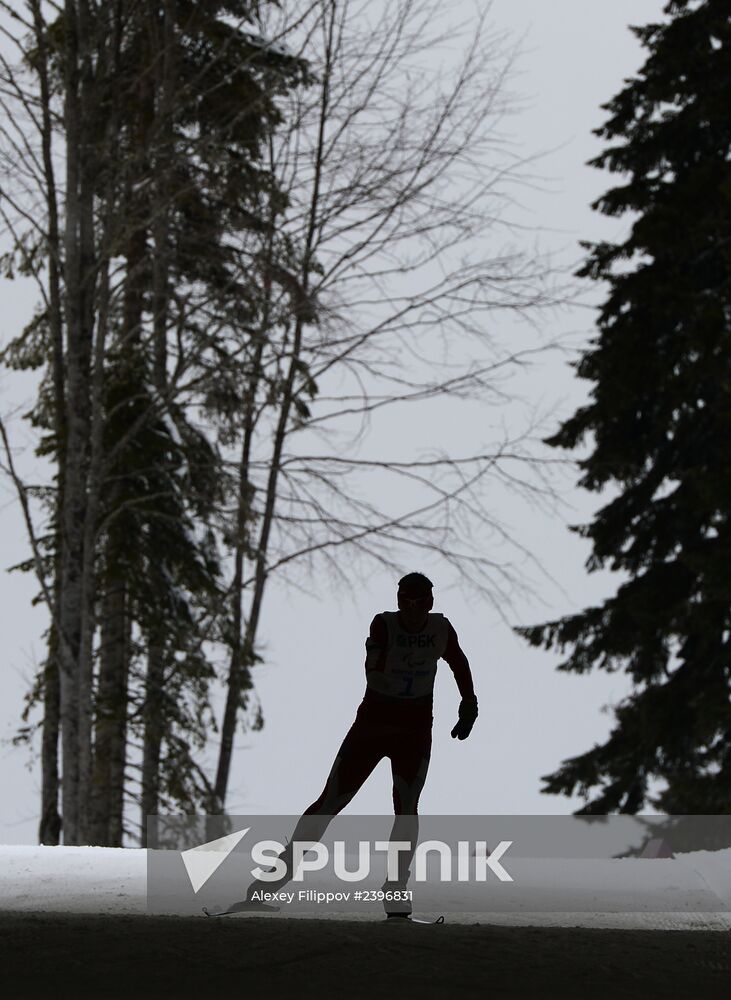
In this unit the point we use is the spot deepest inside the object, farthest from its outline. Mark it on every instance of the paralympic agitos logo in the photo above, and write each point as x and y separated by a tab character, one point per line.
467	861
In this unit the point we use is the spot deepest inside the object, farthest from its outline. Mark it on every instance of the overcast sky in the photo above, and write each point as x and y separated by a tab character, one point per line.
574	57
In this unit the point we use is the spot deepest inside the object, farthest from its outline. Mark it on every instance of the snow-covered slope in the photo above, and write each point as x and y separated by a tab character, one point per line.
114	880
73	879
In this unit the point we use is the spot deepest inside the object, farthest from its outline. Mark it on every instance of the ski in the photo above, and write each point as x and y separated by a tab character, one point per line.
242	907
398	918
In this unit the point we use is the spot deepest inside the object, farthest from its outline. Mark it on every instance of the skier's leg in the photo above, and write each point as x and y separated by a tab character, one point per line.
353	764
409	766
358	755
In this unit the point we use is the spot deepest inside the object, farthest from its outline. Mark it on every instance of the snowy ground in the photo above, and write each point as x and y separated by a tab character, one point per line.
690	891
74	924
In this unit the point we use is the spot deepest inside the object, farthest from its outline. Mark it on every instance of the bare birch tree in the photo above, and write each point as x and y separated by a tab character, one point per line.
396	179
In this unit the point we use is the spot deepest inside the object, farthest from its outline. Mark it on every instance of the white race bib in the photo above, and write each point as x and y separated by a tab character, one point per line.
411	657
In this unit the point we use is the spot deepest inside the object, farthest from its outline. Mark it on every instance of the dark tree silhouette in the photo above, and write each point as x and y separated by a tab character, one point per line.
658	425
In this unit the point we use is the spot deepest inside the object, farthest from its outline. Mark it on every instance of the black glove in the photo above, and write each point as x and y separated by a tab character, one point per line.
467	716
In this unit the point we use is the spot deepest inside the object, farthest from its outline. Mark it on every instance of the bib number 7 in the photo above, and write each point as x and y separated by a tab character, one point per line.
408	684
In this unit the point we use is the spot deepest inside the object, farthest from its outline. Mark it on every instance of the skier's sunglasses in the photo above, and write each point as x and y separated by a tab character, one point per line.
414	603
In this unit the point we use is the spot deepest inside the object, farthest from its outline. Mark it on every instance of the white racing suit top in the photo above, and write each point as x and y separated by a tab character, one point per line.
406	668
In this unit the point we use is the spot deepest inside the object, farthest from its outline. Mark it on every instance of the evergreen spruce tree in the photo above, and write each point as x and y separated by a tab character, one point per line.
658	428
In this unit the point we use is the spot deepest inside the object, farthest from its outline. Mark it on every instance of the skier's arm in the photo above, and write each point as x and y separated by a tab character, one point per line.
460	667
376	645
458	664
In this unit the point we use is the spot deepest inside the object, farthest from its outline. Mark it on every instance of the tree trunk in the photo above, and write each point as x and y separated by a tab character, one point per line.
157	111
95	274
118	738
164	37
110	747
153	721
110	741
239	665
50	824
112	699
49	828
73	514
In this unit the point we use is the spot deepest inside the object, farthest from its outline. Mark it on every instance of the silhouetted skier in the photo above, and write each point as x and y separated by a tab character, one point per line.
394	720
